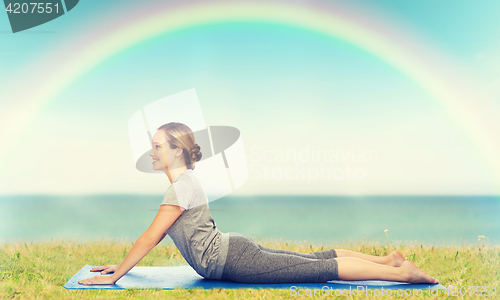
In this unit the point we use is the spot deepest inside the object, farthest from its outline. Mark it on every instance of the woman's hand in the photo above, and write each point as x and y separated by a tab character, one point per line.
99	279
105	269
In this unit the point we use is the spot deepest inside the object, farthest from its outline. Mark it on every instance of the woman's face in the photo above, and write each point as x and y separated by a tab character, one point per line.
162	153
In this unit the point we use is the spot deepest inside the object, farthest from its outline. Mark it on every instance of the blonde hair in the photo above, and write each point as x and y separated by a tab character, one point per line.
180	136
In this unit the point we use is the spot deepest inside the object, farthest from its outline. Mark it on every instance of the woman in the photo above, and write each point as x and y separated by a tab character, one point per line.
184	215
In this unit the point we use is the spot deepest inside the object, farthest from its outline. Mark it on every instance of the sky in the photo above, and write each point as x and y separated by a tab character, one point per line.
318	114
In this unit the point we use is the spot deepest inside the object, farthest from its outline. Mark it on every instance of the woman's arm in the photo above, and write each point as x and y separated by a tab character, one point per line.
149	239
161	239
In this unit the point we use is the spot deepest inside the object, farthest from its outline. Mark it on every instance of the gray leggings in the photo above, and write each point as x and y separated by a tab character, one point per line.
249	262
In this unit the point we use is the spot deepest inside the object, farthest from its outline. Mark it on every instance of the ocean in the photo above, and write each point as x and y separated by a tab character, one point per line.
320	220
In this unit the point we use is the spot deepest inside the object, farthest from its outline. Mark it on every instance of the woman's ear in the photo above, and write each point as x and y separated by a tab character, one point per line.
178	151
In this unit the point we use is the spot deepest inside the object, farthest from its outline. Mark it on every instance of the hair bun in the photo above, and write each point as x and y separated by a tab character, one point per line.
196	153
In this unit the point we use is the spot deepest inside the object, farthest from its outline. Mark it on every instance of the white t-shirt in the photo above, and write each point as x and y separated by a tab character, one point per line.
194	232
186	192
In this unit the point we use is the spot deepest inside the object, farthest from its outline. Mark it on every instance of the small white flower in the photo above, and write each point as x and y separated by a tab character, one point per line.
386	231
480	237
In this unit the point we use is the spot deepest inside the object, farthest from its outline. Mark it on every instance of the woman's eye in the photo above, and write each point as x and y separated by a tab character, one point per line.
156	146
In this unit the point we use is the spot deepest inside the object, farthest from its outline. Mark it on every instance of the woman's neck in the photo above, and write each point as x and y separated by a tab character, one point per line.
175	173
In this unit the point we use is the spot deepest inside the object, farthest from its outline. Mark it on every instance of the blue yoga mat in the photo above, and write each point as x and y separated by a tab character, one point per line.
168	278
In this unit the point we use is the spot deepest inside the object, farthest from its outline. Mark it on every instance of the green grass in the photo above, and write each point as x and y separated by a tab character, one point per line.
39	270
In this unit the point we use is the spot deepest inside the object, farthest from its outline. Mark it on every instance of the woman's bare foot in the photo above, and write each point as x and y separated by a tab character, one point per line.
396	259
412	274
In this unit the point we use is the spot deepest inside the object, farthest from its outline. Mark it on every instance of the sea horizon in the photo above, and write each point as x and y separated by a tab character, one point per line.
316	219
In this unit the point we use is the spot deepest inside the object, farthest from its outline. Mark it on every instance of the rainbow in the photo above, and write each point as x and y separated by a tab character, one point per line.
165	19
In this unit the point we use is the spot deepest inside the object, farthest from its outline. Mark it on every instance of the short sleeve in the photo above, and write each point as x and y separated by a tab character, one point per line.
179	193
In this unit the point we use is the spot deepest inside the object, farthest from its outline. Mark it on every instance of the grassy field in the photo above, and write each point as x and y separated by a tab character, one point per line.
39	270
